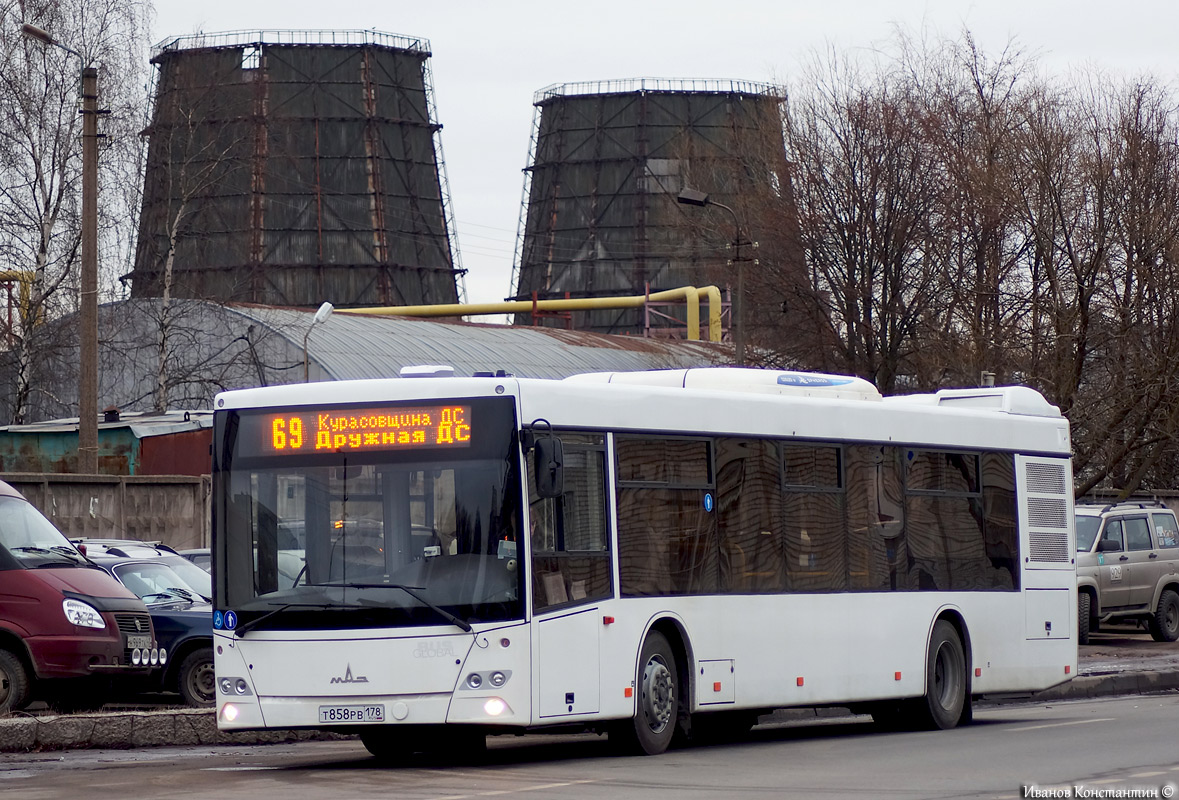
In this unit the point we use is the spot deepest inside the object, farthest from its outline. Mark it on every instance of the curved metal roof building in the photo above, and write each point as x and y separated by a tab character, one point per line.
213	347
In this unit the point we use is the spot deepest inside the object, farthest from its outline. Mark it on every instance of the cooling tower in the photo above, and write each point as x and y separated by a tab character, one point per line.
294	167
608	160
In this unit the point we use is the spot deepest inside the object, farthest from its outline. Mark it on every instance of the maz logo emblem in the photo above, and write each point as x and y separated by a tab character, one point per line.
348	677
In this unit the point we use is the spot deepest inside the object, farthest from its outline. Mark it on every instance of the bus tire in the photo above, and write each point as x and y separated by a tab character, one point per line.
946	693
15	685
1164	623
654	724
1083	607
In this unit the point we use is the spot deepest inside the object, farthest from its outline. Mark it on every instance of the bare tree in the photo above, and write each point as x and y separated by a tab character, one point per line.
866	185
40	170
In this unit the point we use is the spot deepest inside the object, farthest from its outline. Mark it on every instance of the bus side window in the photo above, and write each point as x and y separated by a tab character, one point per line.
567	534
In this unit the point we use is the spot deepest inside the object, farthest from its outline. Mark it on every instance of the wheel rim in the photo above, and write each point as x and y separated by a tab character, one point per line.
202	682
1172	616
658	694
5	688
947	677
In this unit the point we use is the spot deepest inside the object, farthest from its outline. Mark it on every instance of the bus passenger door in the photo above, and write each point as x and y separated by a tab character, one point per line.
567	664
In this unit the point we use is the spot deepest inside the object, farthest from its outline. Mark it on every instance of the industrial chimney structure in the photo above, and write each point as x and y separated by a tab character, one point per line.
601	212
294	167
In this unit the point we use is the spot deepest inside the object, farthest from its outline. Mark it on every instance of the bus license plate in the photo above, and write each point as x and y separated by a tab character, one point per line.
351	713
142	642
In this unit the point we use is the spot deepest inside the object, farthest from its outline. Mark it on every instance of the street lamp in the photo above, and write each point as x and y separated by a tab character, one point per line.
88	302
321	315
694	197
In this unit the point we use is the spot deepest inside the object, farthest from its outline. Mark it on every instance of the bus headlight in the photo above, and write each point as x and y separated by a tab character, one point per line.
497	679
234	686
474	680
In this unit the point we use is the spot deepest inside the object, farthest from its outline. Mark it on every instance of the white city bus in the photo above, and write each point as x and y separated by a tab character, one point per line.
425	561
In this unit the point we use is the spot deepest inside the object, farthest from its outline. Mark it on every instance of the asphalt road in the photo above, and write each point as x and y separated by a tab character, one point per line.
1115	743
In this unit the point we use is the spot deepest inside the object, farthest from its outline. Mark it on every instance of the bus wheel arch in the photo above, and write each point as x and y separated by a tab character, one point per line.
946	702
662	688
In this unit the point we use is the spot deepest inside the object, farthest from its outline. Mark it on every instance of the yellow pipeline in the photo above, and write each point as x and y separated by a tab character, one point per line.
25	278
691	294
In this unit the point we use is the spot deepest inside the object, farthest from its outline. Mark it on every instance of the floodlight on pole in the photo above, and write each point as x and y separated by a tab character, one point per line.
88	300
695	197
321	316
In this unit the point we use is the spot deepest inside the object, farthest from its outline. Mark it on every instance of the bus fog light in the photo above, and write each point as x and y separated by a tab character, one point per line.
497	679
494	707
136	657
229	712
474	680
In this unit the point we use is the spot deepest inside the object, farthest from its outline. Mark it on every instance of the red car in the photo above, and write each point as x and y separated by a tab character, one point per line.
66	626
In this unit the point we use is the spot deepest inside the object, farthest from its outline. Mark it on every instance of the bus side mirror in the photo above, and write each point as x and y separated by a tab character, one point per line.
547	462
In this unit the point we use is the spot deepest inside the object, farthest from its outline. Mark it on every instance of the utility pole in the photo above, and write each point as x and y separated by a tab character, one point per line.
694	197
88	288
88	317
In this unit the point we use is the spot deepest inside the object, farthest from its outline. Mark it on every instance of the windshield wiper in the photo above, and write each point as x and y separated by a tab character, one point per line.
442	612
245	627
171	591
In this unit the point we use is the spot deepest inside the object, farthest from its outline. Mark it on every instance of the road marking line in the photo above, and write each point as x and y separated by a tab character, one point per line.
1063	724
497	792
1146	774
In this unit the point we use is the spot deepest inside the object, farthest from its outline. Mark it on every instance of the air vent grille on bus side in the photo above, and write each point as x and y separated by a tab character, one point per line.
1045	511
1045	478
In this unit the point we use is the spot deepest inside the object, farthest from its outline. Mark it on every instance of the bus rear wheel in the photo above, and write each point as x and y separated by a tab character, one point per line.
946	698
651	729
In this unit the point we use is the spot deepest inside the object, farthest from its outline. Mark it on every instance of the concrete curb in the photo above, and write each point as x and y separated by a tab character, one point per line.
132	729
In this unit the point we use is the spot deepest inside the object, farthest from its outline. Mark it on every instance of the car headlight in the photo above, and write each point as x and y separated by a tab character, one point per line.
82	614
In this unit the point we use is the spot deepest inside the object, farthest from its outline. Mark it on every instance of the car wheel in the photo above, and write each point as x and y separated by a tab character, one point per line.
195	678
14	683
654	723
1083	604
1164	625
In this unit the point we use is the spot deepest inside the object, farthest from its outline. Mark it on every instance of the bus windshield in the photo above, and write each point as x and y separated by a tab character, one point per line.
374	538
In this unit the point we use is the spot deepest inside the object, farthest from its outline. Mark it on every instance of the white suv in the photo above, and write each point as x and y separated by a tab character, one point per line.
1128	567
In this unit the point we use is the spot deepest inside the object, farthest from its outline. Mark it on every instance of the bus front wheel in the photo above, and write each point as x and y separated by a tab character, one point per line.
946	696
651	729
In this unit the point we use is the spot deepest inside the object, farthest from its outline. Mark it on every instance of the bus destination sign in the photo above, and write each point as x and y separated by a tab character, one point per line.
353	430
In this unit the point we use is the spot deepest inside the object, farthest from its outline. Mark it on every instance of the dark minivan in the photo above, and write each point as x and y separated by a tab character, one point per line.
66	626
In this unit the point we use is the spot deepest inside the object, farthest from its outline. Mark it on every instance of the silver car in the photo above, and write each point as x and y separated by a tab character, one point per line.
1128	567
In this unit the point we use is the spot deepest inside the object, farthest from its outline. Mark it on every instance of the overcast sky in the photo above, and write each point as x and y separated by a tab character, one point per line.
490	57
